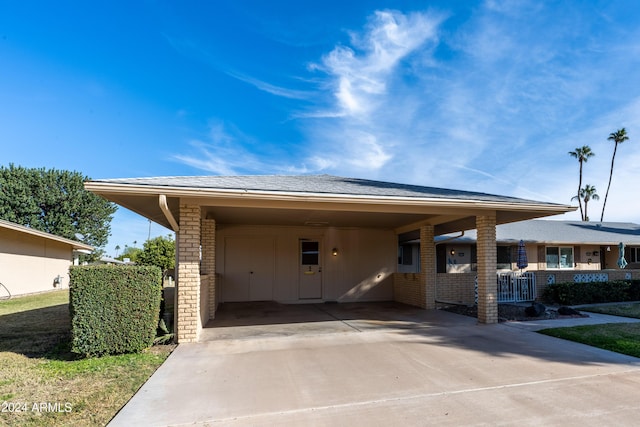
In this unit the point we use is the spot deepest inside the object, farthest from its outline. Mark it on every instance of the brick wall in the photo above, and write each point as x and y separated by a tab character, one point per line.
419	289
456	288
487	259
209	264
408	289
188	323
428	264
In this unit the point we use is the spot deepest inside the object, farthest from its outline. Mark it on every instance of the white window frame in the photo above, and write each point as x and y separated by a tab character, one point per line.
559	251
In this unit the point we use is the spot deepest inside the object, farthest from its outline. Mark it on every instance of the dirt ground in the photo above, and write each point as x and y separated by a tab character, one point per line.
510	312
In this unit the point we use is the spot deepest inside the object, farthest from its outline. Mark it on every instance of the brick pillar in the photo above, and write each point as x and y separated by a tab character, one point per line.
428	265
209	261
188	275
487	261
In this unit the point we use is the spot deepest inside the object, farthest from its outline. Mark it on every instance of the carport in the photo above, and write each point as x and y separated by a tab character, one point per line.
311	239
267	319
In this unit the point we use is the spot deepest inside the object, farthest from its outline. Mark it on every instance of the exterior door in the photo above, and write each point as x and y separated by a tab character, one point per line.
309	270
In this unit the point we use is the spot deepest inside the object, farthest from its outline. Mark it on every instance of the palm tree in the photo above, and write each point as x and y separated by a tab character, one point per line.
618	137
117	250
582	154
587	193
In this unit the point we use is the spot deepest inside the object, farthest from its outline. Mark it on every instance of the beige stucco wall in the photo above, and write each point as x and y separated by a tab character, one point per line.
29	264
584	258
362	271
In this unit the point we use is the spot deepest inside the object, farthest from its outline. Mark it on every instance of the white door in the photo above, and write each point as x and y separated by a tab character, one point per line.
249	268
309	270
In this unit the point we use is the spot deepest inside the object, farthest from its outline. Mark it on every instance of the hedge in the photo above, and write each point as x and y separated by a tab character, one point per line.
114	309
570	293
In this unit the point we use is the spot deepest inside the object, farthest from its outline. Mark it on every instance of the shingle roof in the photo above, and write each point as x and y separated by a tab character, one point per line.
27	230
550	231
317	184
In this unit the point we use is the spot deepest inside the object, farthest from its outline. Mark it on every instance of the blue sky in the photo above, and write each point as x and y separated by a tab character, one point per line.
476	95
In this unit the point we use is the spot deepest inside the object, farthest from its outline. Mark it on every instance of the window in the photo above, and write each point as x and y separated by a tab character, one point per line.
503	254
560	257
634	255
310	253
405	255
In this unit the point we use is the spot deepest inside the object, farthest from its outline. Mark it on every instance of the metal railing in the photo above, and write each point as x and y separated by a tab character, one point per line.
516	287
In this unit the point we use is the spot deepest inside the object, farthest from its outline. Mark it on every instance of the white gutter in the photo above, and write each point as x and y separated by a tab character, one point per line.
162	202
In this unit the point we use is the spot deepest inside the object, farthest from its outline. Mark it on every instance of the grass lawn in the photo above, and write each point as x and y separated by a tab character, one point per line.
619	337
43	384
622	309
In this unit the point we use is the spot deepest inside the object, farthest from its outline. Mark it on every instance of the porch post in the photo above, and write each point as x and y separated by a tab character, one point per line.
428	265
487	259
209	263
188	275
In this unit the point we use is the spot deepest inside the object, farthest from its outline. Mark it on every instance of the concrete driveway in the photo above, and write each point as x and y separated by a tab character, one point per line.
382	365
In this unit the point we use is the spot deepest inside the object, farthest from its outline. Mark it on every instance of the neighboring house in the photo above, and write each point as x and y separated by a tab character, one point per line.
550	245
310	239
34	261
557	251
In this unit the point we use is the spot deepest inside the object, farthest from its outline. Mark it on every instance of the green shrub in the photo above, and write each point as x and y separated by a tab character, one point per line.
114	309
634	290
569	293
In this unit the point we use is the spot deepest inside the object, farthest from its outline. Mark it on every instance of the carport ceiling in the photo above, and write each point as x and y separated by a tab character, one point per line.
305	217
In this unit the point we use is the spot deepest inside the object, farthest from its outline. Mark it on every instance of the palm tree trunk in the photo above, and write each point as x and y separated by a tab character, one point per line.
613	158
586	217
582	215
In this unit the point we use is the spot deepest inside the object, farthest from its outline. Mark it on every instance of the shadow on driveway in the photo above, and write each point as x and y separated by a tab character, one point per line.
382	364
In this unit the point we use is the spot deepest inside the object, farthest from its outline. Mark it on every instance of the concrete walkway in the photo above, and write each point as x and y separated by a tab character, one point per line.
399	366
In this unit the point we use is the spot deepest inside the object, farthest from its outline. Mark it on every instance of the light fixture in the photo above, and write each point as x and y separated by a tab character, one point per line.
452	251
334	251
608	248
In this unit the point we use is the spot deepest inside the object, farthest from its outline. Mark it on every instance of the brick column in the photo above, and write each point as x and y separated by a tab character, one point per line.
428	265
209	261
188	275
487	261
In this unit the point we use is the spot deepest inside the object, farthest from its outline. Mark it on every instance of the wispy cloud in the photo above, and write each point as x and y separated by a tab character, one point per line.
270	88
223	152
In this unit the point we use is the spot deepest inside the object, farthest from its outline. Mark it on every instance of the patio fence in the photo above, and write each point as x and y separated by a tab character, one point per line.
513	287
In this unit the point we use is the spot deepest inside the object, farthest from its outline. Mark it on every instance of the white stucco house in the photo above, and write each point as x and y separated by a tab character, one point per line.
303	239
33	261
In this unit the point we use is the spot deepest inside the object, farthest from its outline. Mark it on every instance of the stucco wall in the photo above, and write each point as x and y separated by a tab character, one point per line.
362	270
30	264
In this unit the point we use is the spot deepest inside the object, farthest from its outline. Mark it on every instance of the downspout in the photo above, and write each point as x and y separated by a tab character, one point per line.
437	299
162	202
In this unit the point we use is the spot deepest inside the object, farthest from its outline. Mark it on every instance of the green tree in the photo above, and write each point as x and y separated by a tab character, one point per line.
582	154
586	194
618	137
160	251
130	252
55	201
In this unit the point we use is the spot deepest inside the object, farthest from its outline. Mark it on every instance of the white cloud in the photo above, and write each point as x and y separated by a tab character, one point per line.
270	88
223	153
360	73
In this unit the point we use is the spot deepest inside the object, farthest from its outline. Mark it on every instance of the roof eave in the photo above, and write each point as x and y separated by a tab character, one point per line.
196	192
